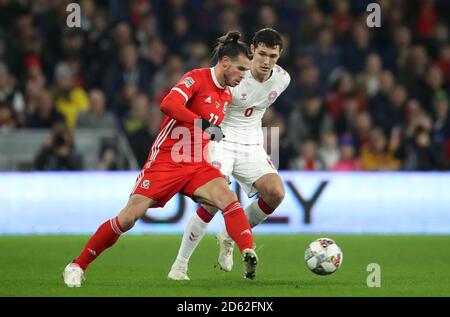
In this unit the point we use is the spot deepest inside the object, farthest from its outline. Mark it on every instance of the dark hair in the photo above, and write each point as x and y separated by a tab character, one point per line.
229	45
268	37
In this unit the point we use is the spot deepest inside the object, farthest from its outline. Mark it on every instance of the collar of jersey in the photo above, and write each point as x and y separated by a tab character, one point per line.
216	82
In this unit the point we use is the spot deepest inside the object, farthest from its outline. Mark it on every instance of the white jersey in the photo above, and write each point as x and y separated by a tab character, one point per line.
241	153
251	98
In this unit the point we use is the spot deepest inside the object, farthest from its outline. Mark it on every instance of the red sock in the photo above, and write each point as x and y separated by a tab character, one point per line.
204	214
237	225
265	207
105	236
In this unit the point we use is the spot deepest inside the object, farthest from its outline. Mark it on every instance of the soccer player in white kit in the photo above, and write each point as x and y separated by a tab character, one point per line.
241	153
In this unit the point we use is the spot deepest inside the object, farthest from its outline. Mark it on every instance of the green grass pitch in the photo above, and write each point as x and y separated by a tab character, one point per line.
138	265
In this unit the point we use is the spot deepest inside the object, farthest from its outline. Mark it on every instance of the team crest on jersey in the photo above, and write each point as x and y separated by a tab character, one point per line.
208	100
244	96
272	96
145	184
188	82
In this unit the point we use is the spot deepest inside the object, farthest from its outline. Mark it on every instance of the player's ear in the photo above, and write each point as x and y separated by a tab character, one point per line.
226	62
252	49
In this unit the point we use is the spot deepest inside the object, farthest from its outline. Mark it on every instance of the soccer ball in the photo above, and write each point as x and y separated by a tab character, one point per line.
323	256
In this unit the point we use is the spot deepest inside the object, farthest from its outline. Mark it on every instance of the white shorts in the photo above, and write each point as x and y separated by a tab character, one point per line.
245	163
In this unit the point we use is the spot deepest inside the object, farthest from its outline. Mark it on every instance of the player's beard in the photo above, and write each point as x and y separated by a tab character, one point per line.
229	81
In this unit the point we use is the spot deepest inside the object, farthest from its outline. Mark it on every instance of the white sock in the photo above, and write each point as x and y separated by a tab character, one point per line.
254	214
193	234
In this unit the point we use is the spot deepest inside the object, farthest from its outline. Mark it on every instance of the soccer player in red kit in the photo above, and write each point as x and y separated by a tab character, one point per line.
198	102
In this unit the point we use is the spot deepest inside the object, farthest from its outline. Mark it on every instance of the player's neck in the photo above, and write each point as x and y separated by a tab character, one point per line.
258	76
219	76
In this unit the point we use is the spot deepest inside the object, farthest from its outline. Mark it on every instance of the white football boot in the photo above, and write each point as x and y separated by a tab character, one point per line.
73	275
250	260
178	273
226	246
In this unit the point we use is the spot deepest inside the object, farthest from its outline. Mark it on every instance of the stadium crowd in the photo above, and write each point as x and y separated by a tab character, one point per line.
360	98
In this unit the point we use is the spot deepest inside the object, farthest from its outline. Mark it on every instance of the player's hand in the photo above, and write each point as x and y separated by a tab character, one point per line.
215	132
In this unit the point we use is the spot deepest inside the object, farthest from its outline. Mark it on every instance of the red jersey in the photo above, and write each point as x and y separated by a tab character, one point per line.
202	94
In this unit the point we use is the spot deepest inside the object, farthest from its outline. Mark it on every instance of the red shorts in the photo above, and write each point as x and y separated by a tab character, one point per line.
162	180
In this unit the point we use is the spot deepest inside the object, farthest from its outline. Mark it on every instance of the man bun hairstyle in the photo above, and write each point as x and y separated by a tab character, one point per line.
269	37
231	46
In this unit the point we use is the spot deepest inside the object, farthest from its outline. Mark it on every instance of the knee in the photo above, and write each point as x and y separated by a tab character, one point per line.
273	196
225	198
128	217
211	210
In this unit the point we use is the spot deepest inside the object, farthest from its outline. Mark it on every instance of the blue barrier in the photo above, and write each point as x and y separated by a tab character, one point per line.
383	202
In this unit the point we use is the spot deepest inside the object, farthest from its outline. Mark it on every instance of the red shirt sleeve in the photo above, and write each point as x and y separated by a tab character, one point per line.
174	104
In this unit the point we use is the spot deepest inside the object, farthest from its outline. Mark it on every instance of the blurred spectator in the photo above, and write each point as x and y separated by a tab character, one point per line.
309	120
361	127
181	37
395	55
44	115
344	85
97	117
156	53
70	100
147	29
378	154
109	158
310	26
441	118
163	80
35	79
413	72
7	118
370	79
59	153
420	153
344	123
130	69
308	159
73	44
432	85
427	18
325	53
342	18
441	122
135	118
142	138
443	62
10	96
328	150
122	103
355	53
391	114
348	161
